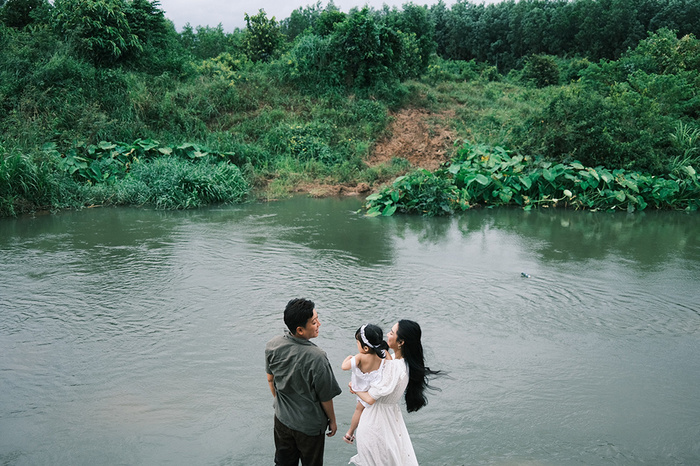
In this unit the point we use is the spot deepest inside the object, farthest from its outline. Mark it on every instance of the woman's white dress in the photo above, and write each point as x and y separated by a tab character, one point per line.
381	436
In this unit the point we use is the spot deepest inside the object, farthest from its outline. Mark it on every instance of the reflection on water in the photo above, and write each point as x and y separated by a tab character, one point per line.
131	336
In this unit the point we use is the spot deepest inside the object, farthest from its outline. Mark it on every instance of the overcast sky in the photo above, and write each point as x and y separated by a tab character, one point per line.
230	12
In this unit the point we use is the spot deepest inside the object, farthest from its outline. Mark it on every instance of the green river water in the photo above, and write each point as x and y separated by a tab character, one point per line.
136	337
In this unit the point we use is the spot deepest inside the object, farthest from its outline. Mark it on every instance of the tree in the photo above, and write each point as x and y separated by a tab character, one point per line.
160	48
208	42
415	20
98	29
327	20
363	49
542	70
20	13
301	20
262	38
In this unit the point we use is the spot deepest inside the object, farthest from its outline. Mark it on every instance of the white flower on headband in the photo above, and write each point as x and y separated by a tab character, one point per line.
364	338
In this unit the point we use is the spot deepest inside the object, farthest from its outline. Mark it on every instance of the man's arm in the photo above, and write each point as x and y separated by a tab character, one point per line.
330	413
271	382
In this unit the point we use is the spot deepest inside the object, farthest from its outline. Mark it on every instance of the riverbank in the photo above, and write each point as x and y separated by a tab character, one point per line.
207	138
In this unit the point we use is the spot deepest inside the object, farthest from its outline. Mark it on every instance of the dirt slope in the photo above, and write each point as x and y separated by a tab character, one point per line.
416	135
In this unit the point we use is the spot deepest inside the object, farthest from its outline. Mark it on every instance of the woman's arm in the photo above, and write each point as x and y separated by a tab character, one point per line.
364	396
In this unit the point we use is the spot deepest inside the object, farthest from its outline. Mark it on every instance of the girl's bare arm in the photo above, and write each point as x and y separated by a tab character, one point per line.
346	364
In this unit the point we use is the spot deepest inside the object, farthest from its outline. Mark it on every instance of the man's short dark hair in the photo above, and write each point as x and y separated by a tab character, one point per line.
297	313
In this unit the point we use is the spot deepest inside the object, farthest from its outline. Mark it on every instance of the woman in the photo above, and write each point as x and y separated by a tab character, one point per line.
381	436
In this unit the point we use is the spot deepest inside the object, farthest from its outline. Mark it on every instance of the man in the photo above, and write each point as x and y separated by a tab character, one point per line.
303	386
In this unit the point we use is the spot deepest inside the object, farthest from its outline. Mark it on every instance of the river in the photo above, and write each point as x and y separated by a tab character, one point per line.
136	337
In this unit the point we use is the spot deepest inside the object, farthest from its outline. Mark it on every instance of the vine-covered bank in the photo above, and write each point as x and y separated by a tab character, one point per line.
484	176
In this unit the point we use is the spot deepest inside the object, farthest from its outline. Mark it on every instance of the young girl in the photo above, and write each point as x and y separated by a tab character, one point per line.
366	368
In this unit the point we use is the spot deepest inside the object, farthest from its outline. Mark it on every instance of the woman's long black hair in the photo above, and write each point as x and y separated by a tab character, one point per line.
418	375
375	337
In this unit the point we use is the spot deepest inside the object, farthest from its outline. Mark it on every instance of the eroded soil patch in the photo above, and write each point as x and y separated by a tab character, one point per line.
417	135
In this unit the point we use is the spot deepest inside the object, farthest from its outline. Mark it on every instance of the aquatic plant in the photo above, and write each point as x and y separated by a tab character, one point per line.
485	176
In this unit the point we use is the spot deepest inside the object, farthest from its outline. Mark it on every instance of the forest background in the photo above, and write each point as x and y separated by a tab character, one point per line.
584	103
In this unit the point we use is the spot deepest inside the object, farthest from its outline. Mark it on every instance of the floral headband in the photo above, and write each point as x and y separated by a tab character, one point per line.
364	338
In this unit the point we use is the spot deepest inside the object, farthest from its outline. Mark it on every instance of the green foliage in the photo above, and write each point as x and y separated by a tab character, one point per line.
225	66
176	183
262	38
25	184
325	24
300	21
504	33
303	142
161	50
21	13
686	141
622	113
624	128
415	21
441	70
492	176
312	109
308	64
361	53
542	70
107	161
99	29
419	192
664	53
209	42
572	69
364	50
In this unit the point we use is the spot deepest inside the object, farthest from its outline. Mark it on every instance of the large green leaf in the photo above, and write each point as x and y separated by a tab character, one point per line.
526	181
373	212
548	174
481	179
454	168
389	210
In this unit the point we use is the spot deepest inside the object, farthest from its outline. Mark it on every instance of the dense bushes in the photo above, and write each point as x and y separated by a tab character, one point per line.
482	176
361	53
311	94
623	113
144	172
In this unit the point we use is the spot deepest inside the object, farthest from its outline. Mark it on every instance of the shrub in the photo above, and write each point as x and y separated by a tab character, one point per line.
21	13
99	29
172	183
542	70
26	183
262	38
624	129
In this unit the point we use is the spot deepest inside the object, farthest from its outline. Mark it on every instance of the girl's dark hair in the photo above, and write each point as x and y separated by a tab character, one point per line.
375	337
418	375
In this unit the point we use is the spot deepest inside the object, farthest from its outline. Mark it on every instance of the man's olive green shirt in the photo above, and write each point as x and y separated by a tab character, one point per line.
303	378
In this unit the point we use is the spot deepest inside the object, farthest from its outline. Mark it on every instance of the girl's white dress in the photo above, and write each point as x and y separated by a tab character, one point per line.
361	381
381	436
